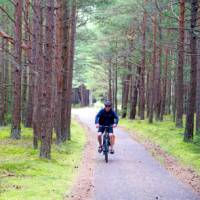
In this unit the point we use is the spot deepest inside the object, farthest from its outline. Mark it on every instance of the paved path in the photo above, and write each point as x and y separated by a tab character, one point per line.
132	173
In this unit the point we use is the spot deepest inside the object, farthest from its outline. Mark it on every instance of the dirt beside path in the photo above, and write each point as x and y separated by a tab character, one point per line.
83	188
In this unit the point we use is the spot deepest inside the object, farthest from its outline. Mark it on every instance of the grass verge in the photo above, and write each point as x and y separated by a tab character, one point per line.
169	138
24	176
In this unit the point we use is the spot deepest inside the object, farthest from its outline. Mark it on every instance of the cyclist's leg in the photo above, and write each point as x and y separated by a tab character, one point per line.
99	138
112	138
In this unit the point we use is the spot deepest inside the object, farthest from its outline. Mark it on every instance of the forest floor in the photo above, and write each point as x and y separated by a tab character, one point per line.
24	176
132	173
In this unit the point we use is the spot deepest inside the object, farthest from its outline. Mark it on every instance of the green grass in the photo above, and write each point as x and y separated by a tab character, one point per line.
24	176
169	138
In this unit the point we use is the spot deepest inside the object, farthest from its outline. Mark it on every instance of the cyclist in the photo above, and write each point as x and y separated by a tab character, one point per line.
106	117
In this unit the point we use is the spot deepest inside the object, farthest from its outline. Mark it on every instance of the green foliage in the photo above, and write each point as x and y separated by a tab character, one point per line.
104	37
169	138
8	118
24	176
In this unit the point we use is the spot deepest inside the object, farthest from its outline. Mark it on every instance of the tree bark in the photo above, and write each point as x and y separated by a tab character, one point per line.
59	71
134	97
152	76
179	103
46	107
110	81
169	89
198	87
33	67
188	136
142	73
72	36
37	69
26	61
2	83
7	81
116	86
16	116
65	57
157	87
164	90
125	89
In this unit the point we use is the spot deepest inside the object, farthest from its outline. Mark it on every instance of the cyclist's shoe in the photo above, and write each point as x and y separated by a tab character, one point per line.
100	149
112	151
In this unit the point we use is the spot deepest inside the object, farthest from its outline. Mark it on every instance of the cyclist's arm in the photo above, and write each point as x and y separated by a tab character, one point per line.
97	117
116	118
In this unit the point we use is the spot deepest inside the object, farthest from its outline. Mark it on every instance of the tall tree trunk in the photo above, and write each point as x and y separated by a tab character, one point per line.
65	57
72	36
116	85
151	104
110	81
2	83
142	74
26	61
16	118
59	65
179	95
164	90
125	90
7	81
148	92
198	93
169	96
46	108
188	136
33	60
113	84
157	87
198	87
134	97
37	69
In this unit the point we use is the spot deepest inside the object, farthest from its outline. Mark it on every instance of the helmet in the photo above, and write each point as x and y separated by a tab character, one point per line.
107	103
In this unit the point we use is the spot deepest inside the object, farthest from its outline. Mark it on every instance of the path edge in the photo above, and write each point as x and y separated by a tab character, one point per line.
186	175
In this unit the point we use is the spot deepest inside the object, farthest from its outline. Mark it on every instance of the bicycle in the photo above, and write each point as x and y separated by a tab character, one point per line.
106	142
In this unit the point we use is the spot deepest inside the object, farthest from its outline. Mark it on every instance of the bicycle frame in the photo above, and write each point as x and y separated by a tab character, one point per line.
106	142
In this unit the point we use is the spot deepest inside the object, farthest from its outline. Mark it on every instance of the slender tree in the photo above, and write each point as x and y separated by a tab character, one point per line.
59	70
17	69
164	83
188	136
37	64
2	83
143	62
152	75
198	86
72	36
179	95
65	57
158	66
125	89
46	107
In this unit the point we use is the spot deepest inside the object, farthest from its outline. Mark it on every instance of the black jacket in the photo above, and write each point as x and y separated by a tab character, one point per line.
106	118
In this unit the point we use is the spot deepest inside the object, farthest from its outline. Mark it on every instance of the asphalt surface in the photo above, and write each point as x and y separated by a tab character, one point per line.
132	173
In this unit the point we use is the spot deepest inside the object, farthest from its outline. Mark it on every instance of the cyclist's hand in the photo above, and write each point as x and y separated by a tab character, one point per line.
114	125
97	125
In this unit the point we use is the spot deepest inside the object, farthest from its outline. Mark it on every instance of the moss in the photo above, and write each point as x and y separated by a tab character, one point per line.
24	176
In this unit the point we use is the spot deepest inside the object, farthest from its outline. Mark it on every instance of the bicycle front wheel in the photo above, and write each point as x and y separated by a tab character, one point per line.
106	157
106	150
